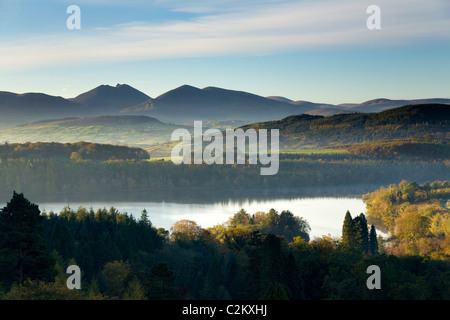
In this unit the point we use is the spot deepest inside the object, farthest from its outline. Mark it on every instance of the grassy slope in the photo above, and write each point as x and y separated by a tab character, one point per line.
142	132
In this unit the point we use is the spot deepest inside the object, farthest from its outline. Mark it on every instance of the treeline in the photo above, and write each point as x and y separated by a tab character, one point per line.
124	258
416	216
70	151
427	149
49	177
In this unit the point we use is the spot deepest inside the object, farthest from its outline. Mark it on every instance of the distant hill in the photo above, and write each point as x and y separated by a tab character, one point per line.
106	99
327	112
187	103
18	108
403	122
323	109
378	105
139	131
102	100
375	105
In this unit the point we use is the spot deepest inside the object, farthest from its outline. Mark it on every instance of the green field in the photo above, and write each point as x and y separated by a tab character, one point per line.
135	135
314	151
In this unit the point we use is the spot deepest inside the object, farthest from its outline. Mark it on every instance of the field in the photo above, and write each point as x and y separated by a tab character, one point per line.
314	151
142	135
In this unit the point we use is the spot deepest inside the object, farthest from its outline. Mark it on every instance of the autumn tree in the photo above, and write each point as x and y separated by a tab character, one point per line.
115	275
185	230
411	226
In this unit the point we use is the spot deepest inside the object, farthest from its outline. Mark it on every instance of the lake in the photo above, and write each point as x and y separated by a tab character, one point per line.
325	215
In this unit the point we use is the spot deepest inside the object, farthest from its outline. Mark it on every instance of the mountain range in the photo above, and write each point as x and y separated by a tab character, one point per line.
180	105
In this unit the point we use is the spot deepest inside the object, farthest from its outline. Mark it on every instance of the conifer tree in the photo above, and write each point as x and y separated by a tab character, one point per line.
373	242
23	252
161	283
348	231
361	233
275	291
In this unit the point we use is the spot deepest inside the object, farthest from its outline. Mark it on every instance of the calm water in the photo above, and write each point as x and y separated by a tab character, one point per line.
324	214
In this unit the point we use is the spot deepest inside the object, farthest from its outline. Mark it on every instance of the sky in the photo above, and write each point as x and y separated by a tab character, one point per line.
313	50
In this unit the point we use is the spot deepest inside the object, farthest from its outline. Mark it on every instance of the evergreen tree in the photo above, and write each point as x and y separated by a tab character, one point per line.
373	241
93	292
348	231
252	273
134	291
275	291
23	252
161	283
62	240
144	219
361	233
214	279
294	280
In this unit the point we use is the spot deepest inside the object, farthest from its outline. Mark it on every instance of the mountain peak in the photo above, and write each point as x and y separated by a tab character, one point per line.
106	98
279	98
183	91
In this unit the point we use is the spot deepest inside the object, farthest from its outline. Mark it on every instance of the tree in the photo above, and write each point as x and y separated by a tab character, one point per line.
411	226
355	234
75	156
115	275
291	226
144	219
361	233
275	291
185	230
62	240
239	218
373	242
348	231
23	252
161	283
134	291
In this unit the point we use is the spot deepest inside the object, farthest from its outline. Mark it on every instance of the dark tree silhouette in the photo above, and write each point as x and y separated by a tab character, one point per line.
23	252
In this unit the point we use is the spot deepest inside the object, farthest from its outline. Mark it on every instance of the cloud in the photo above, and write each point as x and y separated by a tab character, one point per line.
271	27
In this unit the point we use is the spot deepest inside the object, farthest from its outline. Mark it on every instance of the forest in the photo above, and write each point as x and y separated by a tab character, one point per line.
261	255
425	149
398	123
70	151
416	216
40	177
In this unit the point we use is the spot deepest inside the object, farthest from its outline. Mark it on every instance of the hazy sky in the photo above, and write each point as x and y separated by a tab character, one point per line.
311	50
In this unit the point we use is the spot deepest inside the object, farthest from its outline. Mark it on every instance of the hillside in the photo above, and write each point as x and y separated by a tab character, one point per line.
378	105
140	131
374	105
403	122
426	149
18	108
